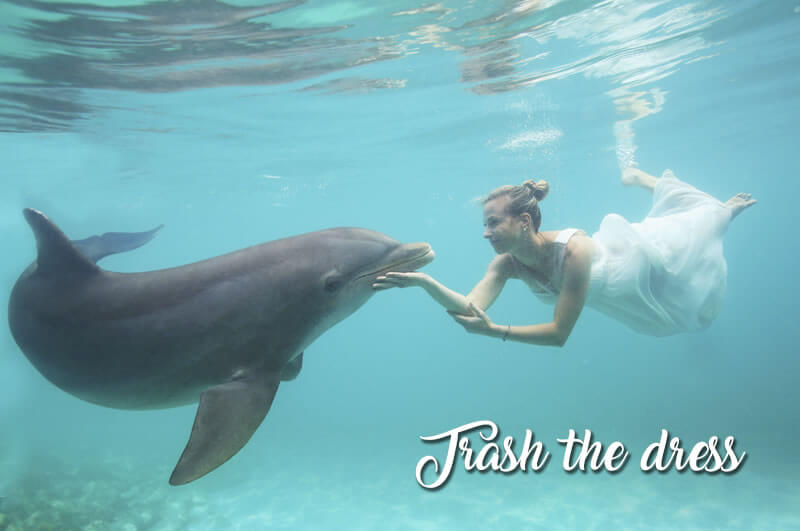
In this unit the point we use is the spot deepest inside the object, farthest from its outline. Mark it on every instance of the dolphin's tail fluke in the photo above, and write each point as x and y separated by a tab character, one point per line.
227	417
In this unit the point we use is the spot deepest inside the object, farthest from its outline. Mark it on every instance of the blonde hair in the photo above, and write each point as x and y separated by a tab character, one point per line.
524	197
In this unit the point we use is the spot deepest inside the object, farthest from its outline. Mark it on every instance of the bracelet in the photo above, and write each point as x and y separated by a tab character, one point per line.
508	331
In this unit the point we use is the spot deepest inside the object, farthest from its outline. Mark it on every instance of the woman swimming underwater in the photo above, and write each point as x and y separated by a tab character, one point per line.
661	276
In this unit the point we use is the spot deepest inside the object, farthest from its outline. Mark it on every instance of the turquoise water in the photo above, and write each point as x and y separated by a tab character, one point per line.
240	122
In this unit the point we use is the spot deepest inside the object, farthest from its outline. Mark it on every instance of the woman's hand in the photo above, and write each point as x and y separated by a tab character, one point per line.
400	280
477	323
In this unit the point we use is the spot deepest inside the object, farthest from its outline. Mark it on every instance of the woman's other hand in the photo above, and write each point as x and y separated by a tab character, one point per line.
476	323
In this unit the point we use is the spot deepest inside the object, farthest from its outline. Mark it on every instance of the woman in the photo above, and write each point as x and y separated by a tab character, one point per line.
661	276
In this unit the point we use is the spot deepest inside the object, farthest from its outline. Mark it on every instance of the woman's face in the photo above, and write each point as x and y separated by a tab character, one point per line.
500	228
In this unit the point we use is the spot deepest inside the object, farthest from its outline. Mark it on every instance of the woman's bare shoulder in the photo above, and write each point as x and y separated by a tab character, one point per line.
580	246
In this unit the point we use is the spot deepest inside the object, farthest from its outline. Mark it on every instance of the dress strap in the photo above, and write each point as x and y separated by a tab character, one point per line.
565	235
562	238
547	290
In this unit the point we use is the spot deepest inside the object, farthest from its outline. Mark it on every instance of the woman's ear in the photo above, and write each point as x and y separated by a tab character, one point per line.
525	218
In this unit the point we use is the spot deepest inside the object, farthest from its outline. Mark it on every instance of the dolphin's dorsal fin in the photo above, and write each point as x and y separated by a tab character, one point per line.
227	417
55	253
97	247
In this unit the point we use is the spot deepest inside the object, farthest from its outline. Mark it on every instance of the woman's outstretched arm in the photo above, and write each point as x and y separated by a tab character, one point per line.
572	297
469	311
482	295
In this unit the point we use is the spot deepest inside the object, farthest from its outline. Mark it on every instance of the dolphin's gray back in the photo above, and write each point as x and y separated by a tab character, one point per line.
200	315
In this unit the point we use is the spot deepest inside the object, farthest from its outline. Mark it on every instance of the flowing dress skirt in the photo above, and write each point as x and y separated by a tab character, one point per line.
666	274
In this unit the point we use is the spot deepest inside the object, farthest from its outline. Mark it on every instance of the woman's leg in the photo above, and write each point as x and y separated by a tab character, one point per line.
635	177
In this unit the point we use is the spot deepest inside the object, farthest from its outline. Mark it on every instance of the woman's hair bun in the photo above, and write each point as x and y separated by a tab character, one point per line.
540	189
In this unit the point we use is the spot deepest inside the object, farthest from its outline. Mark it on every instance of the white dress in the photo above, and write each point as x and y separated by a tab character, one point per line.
662	276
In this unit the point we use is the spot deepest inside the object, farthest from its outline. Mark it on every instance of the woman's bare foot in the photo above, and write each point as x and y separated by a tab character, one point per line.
738	203
635	177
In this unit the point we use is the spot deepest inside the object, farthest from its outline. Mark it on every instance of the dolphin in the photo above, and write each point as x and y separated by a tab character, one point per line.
225	331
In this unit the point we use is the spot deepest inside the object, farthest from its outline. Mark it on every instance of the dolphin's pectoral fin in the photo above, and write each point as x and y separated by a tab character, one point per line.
227	417
292	368
98	247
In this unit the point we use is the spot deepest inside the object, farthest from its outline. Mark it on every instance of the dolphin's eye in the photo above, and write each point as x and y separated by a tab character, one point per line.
333	283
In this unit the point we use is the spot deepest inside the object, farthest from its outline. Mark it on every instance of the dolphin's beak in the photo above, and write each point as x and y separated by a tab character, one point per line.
419	254
407	257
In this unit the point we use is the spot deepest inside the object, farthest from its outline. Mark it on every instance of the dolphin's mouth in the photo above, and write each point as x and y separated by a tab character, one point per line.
408	264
